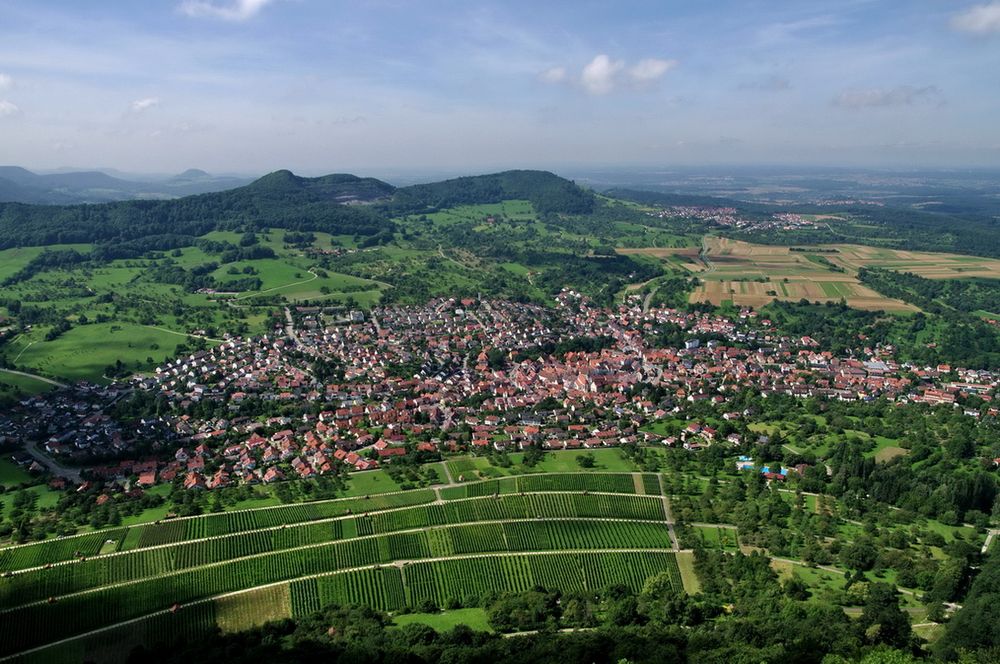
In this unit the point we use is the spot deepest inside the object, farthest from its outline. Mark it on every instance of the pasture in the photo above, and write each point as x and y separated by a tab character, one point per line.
24	384
105	343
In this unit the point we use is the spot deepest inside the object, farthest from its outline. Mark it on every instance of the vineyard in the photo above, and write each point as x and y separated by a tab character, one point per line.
566	531
171	532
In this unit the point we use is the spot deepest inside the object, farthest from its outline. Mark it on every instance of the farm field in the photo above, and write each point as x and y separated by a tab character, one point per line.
375	586
685	257
607	460
753	275
922	263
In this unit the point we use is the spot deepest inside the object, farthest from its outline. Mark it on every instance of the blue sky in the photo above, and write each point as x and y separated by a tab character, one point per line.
322	86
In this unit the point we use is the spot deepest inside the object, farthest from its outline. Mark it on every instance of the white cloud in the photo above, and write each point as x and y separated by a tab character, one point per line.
237	10
978	20
650	69
600	74
8	109
553	75
5	81
603	75
140	105
904	95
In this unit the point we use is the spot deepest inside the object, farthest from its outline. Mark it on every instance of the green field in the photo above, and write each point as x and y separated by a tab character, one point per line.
25	384
608	460
446	620
11	474
105	343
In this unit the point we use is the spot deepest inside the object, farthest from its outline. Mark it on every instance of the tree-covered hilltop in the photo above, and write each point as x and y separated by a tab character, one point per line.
548	193
334	188
279	200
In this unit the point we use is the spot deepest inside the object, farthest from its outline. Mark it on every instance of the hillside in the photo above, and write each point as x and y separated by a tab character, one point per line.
280	200
546	191
335	188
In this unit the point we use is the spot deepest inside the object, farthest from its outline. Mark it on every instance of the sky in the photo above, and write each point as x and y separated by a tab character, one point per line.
318	86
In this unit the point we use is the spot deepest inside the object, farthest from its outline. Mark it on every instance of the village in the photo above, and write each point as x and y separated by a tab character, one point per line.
731	217
451	376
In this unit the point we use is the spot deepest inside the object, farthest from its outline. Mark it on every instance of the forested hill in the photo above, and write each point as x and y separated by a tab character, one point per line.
279	200
336	188
337	204
548	192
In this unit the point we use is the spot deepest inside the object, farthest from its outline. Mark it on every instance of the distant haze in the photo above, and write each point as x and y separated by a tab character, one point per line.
250	86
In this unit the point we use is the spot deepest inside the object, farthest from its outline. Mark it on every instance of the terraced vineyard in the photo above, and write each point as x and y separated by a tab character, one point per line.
571	531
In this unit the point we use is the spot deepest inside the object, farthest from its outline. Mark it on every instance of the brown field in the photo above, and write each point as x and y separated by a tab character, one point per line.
922	263
754	274
890	453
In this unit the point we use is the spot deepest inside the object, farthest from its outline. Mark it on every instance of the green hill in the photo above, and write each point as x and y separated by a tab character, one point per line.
336	188
548	192
278	200
339	204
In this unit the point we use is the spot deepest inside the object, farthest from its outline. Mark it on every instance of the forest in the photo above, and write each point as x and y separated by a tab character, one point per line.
548	193
941	296
273	201
962	340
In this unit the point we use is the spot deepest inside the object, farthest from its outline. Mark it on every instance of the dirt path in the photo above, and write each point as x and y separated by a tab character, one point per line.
185	334
30	344
993	532
269	290
649	298
666	512
703	255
